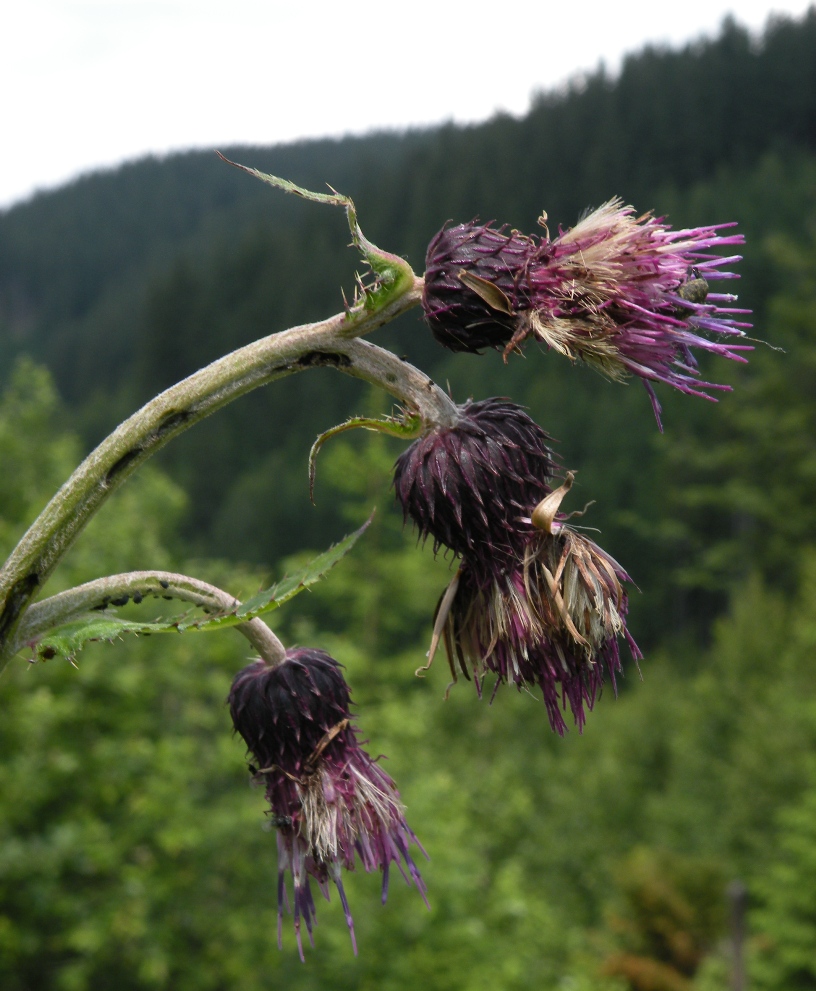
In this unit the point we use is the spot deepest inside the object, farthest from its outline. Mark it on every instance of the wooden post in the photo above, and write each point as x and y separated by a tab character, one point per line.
738	902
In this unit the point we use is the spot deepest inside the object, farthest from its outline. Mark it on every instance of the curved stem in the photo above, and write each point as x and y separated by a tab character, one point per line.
98	594
331	343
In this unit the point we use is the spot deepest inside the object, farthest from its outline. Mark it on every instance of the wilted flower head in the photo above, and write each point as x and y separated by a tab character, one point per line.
330	802
470	486
552	622
626	294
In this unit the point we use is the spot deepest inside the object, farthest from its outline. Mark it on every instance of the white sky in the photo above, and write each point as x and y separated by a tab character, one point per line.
90	83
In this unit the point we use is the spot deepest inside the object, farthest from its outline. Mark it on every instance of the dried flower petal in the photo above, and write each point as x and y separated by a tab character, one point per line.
552	623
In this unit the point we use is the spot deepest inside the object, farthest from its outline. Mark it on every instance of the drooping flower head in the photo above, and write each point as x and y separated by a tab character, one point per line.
470	486
534	602
551	622
626	294
329	801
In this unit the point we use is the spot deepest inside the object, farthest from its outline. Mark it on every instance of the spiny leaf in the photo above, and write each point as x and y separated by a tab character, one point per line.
333	198
393	274
287	588
68	639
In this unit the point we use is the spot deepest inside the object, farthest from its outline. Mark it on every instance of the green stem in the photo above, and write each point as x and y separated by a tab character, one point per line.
330	343
96	595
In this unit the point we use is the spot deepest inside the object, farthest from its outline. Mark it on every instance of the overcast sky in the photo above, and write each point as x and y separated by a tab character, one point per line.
90	83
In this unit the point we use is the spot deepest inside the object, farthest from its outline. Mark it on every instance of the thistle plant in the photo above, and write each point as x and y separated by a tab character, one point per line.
532	601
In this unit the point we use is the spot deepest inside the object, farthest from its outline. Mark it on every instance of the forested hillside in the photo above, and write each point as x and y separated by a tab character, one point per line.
125	281
130	850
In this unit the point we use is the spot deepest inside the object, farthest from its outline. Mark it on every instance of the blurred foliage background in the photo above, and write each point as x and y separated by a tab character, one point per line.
132	853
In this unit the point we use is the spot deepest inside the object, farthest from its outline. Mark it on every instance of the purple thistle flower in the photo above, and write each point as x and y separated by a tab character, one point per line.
552	622
329	801
626	294
469	486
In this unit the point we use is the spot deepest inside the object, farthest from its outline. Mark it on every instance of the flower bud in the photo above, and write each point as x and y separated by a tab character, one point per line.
330	802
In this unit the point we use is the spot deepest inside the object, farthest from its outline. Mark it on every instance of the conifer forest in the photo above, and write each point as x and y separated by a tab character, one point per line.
638	812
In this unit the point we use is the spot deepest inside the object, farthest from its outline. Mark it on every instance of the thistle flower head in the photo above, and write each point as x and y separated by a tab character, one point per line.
329	801
469	486
625	294
552	622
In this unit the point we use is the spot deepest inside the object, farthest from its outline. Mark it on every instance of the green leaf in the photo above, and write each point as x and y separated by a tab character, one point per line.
67	640
286	589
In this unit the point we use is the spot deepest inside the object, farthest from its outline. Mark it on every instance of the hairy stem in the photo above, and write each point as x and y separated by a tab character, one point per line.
331	342
407	383
96	595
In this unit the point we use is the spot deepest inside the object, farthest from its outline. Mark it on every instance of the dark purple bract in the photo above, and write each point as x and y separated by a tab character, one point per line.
469	487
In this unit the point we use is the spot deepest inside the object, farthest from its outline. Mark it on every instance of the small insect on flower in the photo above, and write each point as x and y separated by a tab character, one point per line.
330	803
626	294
